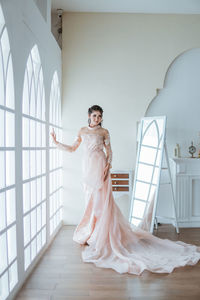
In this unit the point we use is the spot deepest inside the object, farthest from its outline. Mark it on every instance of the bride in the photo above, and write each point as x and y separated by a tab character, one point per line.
110	241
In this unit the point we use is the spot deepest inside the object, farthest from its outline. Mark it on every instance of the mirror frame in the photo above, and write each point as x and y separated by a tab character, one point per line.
161	145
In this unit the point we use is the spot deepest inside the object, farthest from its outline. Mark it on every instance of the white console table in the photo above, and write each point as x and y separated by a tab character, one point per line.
186	179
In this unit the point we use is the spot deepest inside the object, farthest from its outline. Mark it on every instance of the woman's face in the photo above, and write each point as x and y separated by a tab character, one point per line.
96	118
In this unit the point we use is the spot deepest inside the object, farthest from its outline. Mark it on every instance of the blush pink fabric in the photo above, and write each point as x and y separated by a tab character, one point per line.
112	241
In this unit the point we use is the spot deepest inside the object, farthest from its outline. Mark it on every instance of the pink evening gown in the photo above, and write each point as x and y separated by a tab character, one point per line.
110	241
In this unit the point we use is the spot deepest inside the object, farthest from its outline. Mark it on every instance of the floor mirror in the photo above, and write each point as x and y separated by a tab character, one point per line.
151	141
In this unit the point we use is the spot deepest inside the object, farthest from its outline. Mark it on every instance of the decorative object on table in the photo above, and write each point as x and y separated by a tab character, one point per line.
192	150
177	151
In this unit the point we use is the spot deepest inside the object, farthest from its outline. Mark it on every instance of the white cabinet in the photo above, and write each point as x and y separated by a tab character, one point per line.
186	179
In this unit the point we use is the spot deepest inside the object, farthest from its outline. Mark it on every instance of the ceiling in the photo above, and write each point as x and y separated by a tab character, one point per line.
129	6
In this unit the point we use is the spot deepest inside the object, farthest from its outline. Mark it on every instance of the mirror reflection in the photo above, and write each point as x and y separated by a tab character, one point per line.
147	171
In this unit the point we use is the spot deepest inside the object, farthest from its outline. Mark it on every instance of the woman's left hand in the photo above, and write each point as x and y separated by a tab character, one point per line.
106	171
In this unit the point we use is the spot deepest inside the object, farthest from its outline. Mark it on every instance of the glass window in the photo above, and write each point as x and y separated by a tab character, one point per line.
55	164
34	157
8	239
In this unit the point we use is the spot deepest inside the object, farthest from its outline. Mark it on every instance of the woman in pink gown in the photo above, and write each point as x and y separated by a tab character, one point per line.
110	241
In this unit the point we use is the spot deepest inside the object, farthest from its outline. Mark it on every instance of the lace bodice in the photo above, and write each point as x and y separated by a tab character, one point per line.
93	139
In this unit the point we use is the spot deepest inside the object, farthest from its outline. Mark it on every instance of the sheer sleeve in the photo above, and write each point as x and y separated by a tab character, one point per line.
70	148
108	148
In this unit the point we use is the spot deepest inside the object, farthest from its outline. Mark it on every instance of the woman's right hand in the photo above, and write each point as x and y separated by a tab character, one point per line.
53	136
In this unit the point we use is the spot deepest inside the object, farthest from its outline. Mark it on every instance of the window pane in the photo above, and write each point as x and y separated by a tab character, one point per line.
2	128
2	82
43	236
43	105
136	222
39	190
138	209
12	251
51	182
33	223
43	161
151	135
10	129
2	211
147	155
141	190
39	241
32	133
26	132
26	197
5	47
3	252
144	172
13	277
43	135
43	187
27	257
32	98
10	86
43	214
51	226
51	205
39	134
39	161
11	207
26	164
33	193
10	167
2	168
33	249
39	218
26	94
50	159
32	163
27	226
4	286
60	177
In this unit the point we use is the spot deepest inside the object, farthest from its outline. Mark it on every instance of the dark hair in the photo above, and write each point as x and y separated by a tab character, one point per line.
95	108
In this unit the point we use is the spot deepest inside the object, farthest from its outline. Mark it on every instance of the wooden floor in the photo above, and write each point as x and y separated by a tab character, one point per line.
61	275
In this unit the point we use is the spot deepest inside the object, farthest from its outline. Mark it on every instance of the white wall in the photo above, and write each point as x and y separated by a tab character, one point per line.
45	9
117	61
26	27
179	100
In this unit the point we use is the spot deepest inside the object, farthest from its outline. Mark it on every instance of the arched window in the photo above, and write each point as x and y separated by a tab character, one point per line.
55	157
8	248
34	158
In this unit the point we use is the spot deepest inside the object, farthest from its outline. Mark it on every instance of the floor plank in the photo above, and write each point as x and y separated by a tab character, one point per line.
61	275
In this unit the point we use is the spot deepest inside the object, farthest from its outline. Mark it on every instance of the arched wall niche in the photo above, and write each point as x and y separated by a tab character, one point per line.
179	100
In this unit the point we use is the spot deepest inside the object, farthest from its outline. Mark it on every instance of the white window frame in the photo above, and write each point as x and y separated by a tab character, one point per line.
55	158
34	125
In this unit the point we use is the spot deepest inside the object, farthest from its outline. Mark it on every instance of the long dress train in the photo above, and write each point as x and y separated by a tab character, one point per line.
110	241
